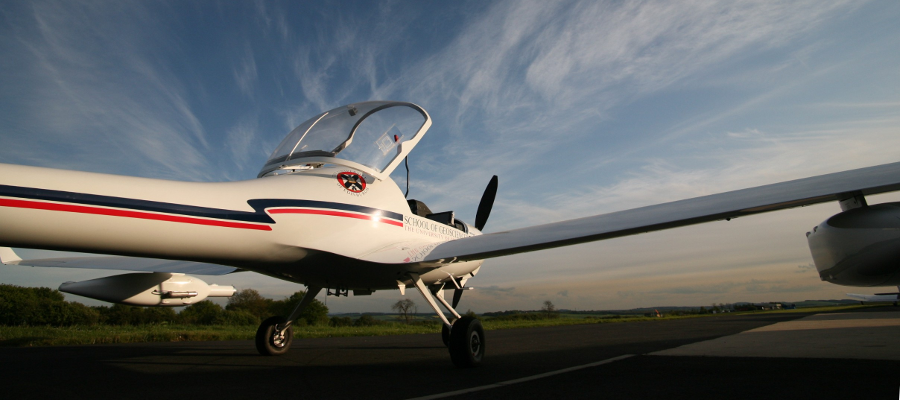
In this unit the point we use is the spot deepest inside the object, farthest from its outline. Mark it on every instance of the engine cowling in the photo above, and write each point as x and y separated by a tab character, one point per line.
859	247
148	289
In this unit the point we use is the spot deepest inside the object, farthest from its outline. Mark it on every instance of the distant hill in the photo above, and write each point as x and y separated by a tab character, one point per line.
824	303
641	310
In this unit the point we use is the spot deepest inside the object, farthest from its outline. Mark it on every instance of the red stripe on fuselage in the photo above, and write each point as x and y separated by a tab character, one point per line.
36	205
334	214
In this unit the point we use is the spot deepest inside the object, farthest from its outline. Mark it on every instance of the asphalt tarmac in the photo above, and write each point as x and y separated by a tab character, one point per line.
839	356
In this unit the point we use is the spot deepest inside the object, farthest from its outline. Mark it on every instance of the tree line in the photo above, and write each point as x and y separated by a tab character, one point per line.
45	306
24	306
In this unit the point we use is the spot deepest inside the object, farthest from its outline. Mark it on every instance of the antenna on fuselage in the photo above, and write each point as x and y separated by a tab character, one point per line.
406	160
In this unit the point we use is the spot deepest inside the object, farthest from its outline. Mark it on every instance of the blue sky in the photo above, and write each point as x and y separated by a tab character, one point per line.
581	108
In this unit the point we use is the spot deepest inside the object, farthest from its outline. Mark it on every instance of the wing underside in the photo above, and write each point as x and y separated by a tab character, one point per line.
9	257
818	189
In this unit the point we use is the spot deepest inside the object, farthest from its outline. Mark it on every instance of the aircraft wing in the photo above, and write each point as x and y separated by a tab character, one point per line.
723	206
9	257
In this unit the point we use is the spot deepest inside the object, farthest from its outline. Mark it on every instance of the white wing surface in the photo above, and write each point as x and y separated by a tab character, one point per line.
818	189
8	257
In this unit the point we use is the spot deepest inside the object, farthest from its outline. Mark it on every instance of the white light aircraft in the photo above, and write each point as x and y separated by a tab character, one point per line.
325	213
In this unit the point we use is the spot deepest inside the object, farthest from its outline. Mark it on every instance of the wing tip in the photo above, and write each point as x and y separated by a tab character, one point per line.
8	256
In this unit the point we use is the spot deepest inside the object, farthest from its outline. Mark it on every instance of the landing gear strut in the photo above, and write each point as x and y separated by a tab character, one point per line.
275	334
464	336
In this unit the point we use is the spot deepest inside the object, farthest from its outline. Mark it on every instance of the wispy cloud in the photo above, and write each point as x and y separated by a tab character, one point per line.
737	288
494	293
551	73
245	73
802	269
96	90
740	160
581	53
243	143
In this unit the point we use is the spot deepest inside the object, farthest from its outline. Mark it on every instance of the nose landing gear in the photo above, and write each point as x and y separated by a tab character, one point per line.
274	337
275	334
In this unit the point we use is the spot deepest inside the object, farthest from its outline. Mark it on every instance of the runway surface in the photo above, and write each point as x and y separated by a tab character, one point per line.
840	356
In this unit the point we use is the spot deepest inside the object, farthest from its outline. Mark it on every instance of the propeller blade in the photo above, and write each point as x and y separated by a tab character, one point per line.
487	202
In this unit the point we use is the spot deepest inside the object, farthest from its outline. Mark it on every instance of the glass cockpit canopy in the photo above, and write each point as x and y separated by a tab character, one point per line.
372	136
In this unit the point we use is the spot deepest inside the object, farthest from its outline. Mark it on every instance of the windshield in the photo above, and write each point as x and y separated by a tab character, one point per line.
369	133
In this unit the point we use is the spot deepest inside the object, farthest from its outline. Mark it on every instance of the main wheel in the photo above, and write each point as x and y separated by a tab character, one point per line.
445	334
467	342
270	341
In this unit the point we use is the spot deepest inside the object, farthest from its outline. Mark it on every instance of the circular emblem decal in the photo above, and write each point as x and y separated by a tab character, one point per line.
352	181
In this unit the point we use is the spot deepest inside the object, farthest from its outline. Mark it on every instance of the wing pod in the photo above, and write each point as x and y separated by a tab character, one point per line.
859	247
153	289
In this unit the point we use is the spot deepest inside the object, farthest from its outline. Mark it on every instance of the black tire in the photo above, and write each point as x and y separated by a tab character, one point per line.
267	343
467	342
445	335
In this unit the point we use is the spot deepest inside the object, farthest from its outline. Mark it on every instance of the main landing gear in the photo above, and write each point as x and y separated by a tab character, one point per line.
464	337
275	334
466	342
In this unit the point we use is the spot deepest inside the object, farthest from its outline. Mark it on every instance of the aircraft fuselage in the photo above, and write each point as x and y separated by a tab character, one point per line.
329	226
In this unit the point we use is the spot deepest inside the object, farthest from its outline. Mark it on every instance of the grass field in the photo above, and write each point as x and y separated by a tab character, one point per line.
24	336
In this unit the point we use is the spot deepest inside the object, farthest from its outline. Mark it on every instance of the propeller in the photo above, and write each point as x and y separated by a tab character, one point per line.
487	202
481	217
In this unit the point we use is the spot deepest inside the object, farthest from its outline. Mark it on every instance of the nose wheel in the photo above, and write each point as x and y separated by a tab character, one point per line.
275	334
273	338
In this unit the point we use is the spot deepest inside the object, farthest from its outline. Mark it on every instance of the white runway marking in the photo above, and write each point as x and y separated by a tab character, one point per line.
520	380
